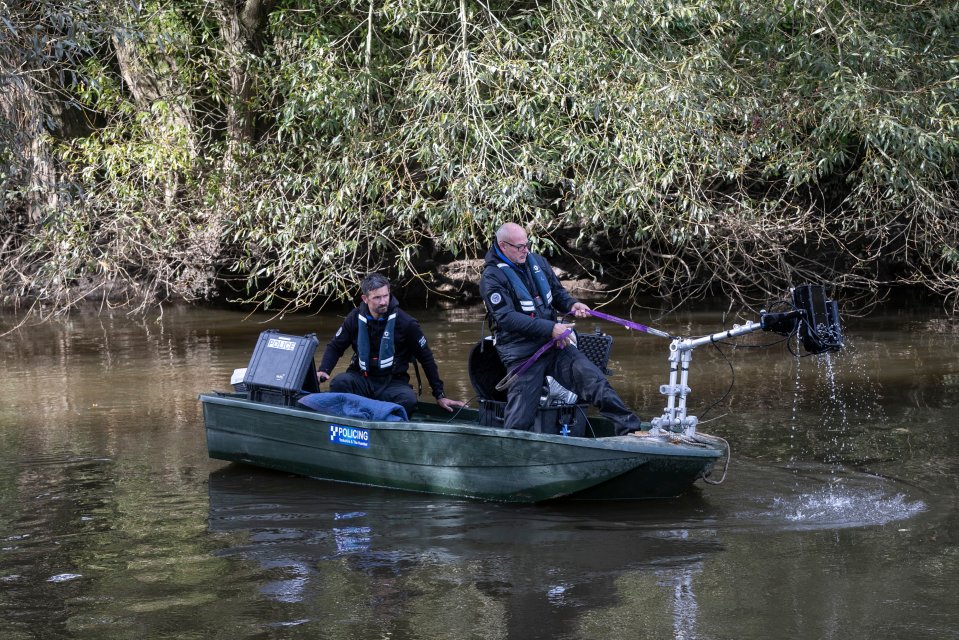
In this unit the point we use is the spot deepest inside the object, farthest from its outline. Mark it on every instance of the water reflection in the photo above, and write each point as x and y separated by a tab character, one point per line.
530	571
536	570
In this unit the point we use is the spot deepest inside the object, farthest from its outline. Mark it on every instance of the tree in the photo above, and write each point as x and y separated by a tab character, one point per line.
679	148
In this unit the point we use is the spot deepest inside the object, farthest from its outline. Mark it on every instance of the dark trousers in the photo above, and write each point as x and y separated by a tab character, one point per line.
385	389
574	371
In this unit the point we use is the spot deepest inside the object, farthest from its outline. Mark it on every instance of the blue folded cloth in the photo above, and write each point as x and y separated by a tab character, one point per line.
351	405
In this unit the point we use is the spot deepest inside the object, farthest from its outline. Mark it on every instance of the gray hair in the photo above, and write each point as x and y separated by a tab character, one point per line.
506	229
373	281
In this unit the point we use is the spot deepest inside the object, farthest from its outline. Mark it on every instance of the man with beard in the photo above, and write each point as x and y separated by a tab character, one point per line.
384	339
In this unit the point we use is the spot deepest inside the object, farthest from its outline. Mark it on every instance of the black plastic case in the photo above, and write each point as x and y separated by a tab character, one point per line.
596	347
282	368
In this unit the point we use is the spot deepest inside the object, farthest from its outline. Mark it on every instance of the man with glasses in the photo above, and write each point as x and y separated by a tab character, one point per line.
523	296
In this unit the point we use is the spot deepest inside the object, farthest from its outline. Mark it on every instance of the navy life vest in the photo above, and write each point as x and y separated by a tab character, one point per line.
526	301
387	344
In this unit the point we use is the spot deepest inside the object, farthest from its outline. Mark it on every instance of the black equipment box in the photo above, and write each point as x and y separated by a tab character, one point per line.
564	419
596	347
282	368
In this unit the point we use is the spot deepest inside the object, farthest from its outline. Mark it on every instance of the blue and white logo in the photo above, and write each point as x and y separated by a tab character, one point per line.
350	436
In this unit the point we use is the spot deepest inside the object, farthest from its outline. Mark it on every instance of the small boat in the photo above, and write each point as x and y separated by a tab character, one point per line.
467	454
454	455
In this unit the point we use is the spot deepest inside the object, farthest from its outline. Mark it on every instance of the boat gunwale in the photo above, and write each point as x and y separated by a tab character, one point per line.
623	444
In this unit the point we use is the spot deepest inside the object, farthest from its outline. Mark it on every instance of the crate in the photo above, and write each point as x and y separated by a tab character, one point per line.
596	347
548	419
282	368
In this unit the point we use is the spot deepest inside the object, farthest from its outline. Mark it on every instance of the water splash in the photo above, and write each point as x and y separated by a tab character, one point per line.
836	407
836	508
814	496
826	361
64	577
839	505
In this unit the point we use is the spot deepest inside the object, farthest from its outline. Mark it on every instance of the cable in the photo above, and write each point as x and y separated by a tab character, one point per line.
457	412
705	438
732	381
586	418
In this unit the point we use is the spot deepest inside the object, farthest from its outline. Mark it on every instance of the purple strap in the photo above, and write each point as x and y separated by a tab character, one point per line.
629	324
521	369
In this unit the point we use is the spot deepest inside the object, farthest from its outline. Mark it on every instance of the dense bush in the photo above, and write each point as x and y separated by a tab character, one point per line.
677	148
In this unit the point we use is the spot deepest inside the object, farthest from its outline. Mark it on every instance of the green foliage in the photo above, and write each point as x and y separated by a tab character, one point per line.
679	147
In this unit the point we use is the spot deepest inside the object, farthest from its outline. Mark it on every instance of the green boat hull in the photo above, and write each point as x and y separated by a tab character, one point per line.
432	454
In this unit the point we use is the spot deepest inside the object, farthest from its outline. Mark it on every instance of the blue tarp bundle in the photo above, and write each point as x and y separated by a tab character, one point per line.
353	406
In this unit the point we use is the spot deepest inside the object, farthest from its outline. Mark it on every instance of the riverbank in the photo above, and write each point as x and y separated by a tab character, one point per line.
455	282
451	283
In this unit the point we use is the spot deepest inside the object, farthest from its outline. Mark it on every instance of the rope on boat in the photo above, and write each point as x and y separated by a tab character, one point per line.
696	440
714	440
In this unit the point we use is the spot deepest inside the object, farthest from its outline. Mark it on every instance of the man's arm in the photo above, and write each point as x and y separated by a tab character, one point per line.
562	300
336	347
420	349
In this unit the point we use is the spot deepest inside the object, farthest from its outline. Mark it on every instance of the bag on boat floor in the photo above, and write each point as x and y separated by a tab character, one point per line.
486	370
282	368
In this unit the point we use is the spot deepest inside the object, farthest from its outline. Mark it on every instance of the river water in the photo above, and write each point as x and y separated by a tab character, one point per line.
837	518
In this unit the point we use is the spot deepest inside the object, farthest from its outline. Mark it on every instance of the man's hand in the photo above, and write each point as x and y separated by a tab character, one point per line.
322	376
449	403
580	310
558	329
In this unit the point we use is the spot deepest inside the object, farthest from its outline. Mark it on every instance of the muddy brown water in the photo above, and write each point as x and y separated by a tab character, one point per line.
837	519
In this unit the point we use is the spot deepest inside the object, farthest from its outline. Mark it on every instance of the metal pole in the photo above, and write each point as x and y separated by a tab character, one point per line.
674	416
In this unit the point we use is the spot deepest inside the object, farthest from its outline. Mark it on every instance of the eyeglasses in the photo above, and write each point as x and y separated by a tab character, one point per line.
519	247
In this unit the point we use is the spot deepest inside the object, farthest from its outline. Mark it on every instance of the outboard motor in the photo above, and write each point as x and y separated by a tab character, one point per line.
819	329
815	318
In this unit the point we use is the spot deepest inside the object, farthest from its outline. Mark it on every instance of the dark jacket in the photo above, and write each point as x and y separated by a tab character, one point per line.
520	334
409	342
